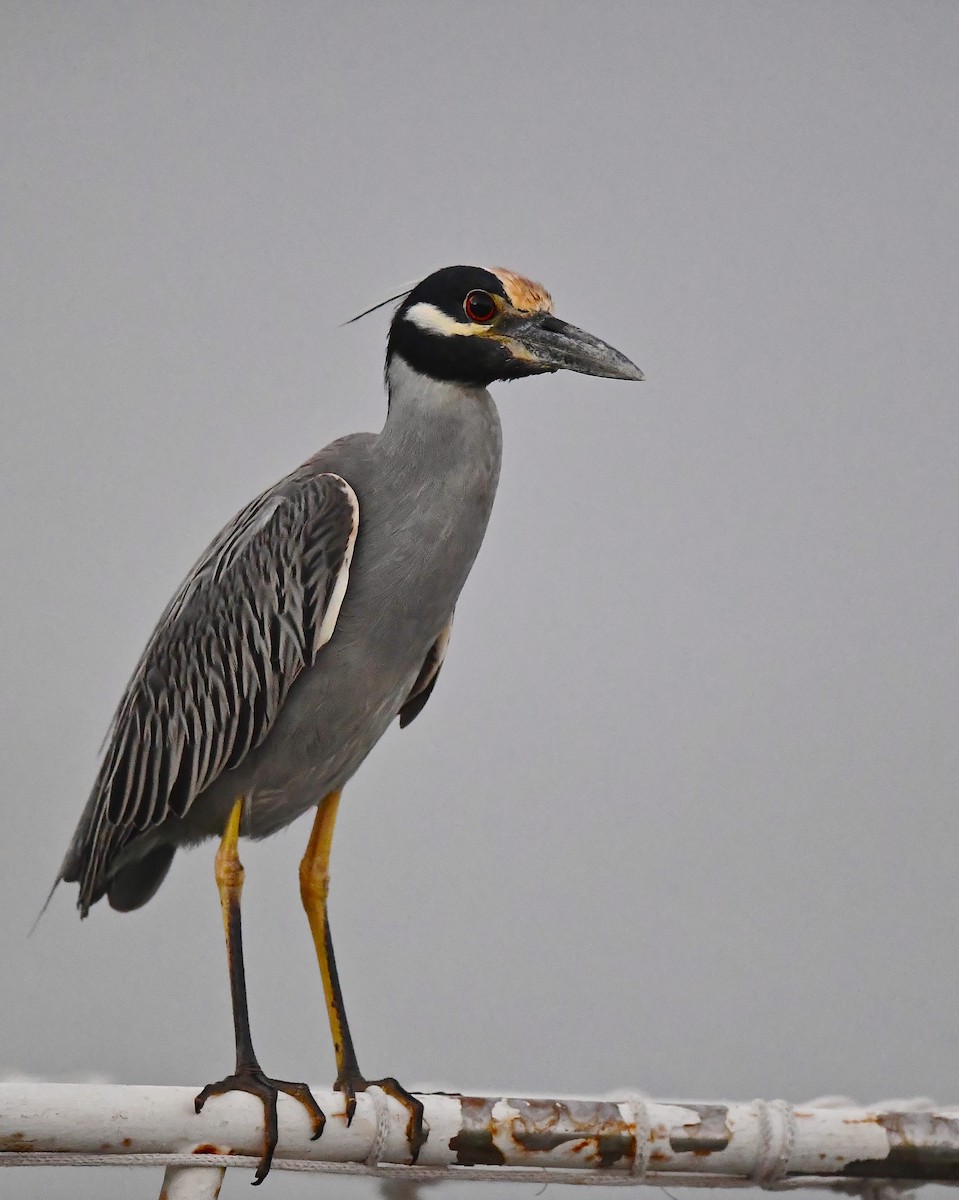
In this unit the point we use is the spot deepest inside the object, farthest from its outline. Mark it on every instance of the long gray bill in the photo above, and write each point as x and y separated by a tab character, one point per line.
562	346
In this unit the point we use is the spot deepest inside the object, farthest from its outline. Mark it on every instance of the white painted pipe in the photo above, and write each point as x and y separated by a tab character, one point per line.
588	1141
192	1183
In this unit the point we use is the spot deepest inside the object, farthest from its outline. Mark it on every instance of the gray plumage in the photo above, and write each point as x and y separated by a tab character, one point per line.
318	615
234	694
323	610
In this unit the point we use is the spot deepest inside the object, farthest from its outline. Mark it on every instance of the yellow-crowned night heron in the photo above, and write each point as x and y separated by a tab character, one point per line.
319	614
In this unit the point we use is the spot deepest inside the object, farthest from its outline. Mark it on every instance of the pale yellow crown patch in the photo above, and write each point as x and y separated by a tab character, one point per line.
524	295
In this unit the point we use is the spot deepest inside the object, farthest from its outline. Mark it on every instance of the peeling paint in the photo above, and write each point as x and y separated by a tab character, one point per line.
592	1130
598	1126
706	1135
922	1145
474	1145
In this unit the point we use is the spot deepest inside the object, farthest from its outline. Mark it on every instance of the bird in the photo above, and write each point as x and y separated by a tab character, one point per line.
317	616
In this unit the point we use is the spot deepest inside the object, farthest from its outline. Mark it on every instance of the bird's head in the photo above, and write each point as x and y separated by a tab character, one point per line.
471	325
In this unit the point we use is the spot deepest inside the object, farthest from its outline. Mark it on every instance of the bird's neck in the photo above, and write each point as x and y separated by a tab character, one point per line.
436	415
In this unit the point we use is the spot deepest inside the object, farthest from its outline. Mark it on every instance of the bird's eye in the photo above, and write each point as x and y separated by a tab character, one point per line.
479	306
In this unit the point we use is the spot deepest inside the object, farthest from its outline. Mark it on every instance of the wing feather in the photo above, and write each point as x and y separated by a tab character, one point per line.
422	688
252	614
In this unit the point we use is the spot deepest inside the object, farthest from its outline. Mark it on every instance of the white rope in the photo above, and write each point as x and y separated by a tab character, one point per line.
382	1109
635	1105
417	1174
870	1189
777	1125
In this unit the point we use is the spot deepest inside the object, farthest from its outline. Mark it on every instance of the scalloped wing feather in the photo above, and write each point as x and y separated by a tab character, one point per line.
253	613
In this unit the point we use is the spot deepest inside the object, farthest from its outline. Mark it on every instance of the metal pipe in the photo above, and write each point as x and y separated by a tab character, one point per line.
603	1141
192	1183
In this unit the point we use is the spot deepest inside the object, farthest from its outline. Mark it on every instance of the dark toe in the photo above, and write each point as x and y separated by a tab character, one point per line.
416	1131
255	1083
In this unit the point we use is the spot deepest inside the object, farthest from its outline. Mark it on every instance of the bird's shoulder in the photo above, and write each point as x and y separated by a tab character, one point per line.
314	503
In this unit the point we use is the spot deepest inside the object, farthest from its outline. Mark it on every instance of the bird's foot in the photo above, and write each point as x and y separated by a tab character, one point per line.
252	1080
416	1133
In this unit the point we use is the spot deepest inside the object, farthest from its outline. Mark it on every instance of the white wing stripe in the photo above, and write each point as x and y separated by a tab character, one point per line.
328	624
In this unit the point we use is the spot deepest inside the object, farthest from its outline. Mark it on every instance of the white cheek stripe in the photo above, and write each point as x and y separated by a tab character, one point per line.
328	624
434	320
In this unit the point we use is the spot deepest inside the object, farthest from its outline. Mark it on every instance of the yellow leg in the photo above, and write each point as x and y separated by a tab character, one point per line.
228	869
248	1076
314	889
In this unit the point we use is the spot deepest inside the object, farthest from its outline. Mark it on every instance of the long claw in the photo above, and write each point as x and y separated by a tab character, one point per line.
299	1091
271	1134
416	1131
349	1092
255	1083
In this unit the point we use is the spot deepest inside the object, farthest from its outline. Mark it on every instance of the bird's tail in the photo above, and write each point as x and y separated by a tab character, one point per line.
136	883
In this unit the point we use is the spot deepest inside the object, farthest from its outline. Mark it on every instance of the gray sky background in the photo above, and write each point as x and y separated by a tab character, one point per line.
681	815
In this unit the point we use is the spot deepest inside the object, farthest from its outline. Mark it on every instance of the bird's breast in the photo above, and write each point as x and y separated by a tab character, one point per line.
422	522
424	504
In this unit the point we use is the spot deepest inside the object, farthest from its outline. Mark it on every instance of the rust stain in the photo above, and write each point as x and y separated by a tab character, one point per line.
658	1156
127	1142
15	1143
594	1129
544	1125
474	1145
922	1145
708	1135
208	1148
105	1145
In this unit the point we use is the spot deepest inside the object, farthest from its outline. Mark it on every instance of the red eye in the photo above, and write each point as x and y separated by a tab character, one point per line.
479	306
